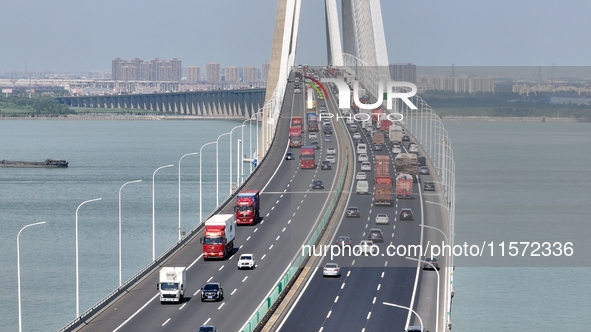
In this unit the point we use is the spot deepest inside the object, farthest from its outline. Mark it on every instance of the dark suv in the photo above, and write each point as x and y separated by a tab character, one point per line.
375	234
325	165
352	211
406	214
212	291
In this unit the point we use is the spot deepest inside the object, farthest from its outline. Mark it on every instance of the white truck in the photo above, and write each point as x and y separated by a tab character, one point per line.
395	133
172	284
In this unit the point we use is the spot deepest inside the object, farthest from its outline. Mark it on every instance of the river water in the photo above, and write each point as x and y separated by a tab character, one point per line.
520	181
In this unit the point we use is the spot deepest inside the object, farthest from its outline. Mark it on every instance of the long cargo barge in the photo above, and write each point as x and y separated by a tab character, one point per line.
49	163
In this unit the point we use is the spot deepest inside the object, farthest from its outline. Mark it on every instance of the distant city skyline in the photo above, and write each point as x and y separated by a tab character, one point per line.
60	35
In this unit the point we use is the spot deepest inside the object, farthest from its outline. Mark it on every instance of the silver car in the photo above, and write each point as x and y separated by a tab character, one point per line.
331	270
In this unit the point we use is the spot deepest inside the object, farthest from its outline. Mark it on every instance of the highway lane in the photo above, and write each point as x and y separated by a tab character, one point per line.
353	302
289	208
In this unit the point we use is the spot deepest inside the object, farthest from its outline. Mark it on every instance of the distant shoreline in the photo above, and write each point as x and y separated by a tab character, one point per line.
209	117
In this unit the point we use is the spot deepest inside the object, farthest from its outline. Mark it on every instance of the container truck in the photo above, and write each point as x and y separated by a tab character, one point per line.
297	121
404	186
383	181
172	283
247	207
295	137
395	134
312	120
218	240
378	138
308	157
406	163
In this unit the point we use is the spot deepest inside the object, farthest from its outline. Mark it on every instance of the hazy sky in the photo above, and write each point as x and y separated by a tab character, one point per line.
78	36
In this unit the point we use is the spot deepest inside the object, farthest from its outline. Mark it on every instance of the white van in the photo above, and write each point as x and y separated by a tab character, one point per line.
361	148
362	187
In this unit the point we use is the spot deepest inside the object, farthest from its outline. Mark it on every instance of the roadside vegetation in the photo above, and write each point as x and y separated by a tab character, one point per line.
501	104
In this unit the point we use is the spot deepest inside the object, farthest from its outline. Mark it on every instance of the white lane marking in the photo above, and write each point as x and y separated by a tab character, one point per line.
343	286
242	245
382	274
278	236
263	256
289	221
197	292
348	273
221	305
379	286
329	312
277	201
283	230
293	214
244	278
184	304
336	299
386	263
166	322
302	201
234	291
208	280
207	321
368	315
374	300
298	207
366	225
353	263
195	261
281	196
256	229
272	208
268	213
392	234
270	247
248	238
221	268
137	312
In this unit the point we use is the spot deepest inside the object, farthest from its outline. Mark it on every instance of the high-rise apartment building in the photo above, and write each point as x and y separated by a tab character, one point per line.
265	71
213	72
139	70
193	74
403	72
232	74
249	74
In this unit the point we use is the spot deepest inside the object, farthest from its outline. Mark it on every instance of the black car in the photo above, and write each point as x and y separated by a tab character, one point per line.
429	186
289	156
352	211
405	138
327	130
406	214
316	145
429	263
375	234
422	161
424	170
317	184
343	240
325	165
212	291
207	328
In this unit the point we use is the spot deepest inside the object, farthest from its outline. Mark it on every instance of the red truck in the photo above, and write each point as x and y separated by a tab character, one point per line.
404	186
218	240
308	157
297	121
295	137
383	181
247	207
385	125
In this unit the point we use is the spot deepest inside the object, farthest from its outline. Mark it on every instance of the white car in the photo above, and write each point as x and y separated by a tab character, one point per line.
331	151
331	270
396	150
362	157
331	159
322	108
312	136
413	149
382	218
357	136
366	166
296	90
361	176
367	247
350	121
246	261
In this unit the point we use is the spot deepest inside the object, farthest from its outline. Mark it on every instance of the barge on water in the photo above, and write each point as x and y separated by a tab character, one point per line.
49	163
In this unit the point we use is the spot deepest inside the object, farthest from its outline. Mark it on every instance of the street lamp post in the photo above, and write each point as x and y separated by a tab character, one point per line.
77	281
237	165
407	308
188	154
434	269
18	272
200	193
154	213
120	267
217	169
